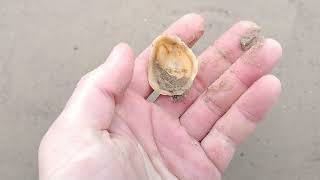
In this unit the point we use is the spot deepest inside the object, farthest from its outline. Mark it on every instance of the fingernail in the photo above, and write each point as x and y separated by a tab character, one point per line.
115	53
120	51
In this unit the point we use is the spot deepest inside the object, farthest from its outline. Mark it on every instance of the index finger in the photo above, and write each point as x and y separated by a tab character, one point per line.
188	28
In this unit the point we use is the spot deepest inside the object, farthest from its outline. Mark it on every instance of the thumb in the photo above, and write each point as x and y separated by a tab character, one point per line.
113	76
93	101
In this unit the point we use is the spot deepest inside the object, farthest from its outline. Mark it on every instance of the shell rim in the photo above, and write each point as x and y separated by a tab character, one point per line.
155	86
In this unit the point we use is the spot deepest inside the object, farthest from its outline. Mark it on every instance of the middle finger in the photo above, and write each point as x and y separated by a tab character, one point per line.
213	62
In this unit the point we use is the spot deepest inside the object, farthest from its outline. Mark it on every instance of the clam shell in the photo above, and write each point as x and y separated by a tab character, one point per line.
172	66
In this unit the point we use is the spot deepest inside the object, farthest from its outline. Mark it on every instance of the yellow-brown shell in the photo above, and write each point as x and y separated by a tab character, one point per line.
172	66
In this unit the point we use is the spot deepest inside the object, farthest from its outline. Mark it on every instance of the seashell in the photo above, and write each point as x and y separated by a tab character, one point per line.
172	66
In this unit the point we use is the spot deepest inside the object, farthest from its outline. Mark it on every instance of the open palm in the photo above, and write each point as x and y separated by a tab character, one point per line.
109	131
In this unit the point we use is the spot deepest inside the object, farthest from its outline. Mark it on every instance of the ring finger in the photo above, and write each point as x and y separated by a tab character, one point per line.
212	104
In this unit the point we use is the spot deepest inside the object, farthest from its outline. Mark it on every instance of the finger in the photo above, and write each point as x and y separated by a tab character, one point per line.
240	120
189	28
213	62
93	101
210	106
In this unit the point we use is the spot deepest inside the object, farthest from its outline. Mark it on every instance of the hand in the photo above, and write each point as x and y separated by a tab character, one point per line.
109	131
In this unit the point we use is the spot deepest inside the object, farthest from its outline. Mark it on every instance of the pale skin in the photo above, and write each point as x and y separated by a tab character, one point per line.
109	131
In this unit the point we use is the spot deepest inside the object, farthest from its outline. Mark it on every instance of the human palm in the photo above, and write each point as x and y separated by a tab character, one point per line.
109	131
